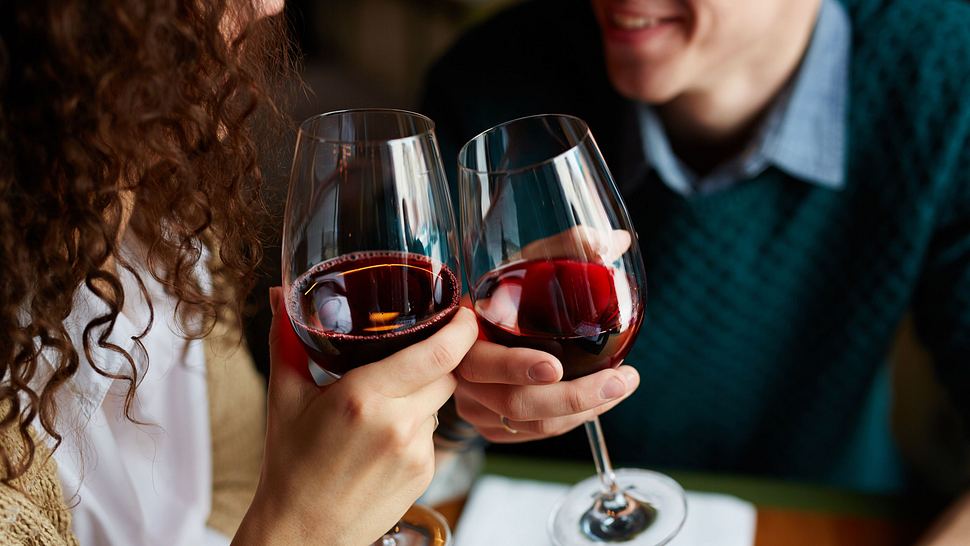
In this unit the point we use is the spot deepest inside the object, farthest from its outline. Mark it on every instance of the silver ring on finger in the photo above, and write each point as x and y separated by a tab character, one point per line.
436	421
505	424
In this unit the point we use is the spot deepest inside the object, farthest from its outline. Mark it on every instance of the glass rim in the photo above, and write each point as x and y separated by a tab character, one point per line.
303	131
461	152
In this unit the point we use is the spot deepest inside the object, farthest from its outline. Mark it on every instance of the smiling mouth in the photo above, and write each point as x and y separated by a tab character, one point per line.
636	22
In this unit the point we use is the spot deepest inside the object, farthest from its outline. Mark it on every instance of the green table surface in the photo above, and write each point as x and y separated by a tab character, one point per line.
759	491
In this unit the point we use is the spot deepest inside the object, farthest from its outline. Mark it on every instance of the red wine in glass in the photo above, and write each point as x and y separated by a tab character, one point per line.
364	306
583	313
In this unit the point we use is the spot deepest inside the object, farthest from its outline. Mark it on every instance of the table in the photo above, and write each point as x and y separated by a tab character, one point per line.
789	514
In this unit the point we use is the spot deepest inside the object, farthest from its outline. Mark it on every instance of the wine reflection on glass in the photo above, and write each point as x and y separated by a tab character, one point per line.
553	263
370	252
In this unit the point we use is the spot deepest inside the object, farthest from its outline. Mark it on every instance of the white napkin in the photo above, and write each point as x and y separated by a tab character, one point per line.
514	513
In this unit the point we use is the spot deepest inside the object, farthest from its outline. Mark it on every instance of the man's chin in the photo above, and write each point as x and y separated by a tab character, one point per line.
646	88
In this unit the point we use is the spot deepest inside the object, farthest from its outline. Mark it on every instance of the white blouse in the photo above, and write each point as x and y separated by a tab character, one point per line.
131	484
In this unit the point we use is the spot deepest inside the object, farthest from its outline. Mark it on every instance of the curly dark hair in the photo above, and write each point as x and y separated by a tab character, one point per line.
106	108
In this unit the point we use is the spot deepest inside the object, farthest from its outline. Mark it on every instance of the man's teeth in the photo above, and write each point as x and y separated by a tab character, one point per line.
634	22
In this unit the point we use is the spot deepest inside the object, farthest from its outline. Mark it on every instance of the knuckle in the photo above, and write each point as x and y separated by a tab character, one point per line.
356	406
574	401
418	463
397	439
442	357
508	367
516	406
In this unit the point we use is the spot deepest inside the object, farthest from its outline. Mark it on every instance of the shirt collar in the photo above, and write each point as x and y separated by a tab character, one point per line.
803	133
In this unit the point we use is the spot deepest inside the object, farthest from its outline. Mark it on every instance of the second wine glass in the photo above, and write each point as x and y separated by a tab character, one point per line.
553	264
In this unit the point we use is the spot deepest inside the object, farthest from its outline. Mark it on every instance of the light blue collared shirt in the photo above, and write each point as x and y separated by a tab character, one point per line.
803	133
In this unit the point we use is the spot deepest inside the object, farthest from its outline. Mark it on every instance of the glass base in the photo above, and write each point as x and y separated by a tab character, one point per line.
420	526
574	523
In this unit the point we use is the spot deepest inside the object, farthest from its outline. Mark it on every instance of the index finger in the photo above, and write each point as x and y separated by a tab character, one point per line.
410	369
535	402
488	362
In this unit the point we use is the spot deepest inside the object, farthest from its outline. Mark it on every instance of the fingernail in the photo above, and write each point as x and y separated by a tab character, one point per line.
630	376
543	372
614	388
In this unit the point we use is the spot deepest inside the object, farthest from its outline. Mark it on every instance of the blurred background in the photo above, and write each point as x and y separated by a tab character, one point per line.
375	53
360	53
353	54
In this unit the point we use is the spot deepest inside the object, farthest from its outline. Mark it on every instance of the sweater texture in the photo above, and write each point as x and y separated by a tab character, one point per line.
772	305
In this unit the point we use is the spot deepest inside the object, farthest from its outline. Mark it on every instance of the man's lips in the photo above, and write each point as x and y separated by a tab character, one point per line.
634	22
637	29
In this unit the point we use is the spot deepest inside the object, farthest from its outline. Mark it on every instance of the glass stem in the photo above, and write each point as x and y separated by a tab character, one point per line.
604	468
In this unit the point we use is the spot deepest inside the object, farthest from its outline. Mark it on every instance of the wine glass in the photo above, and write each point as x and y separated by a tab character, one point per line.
370	252
553	264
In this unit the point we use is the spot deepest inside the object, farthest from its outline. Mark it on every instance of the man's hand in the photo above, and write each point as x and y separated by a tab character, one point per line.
523	385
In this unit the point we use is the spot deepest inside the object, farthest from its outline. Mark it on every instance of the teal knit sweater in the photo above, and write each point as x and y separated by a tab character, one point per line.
771	305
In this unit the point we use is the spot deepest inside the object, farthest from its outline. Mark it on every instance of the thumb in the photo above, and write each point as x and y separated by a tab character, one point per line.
289	378
466	301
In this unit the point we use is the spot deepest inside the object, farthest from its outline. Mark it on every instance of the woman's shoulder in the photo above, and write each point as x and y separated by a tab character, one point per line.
32	506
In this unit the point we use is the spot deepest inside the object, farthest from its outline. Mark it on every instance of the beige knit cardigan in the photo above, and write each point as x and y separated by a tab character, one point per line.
34	511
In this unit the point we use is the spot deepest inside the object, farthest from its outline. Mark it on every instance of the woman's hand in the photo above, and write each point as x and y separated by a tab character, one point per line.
345	461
